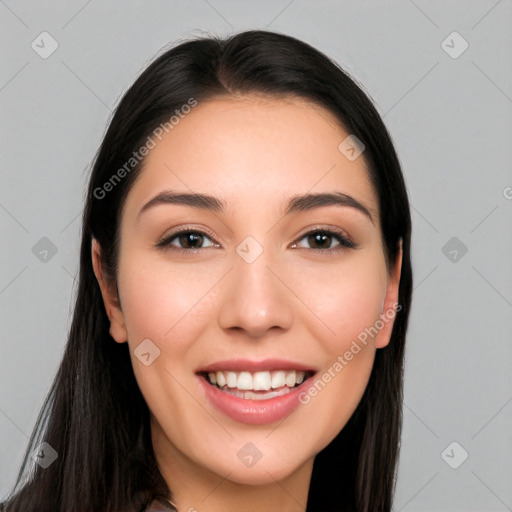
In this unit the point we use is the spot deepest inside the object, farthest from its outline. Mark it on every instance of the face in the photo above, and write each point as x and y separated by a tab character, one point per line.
276	296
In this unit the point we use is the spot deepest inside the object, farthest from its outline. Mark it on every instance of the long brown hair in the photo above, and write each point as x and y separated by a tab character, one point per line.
94	415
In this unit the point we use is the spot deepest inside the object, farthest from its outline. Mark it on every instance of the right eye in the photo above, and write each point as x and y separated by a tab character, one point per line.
186	241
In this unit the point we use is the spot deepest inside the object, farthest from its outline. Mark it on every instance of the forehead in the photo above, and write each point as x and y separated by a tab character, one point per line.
254	151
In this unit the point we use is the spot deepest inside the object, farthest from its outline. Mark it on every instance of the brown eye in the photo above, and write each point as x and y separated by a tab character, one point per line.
326	240
186	240
320	241
190	240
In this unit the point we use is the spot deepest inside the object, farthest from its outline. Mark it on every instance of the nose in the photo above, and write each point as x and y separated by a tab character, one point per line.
254	299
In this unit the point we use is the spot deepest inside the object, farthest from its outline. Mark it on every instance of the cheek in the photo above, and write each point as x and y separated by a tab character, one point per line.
346	299
168	307
163	303
353	310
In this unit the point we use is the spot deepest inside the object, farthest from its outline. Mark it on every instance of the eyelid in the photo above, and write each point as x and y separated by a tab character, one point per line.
324	227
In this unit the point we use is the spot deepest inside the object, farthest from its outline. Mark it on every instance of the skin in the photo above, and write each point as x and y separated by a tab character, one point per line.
296	302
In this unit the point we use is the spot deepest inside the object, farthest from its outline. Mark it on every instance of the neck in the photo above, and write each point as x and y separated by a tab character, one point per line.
194	488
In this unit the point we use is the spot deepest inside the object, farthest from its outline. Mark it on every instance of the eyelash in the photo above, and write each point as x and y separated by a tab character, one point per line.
344	241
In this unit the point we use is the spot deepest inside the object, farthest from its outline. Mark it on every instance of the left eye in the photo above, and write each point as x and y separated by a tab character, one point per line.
323	239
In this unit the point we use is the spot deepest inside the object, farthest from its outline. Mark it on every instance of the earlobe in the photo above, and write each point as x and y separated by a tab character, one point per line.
391	303
110	297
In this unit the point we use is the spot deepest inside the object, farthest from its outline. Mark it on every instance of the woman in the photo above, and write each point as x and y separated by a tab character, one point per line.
244	290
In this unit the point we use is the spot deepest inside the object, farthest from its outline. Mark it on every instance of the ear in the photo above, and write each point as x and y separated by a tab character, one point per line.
391	306
110	297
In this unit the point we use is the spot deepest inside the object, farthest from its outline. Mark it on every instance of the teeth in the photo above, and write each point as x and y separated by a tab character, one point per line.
250	395
244	381
290	379
231	379
278	379
221	380
258	381
261	381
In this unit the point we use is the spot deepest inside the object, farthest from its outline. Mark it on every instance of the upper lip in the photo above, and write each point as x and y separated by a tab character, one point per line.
239	365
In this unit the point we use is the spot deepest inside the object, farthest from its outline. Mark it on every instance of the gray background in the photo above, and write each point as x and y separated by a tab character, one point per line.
451	122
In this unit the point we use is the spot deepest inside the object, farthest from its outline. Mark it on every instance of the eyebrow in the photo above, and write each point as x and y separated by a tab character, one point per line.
298	203
310	201
203	201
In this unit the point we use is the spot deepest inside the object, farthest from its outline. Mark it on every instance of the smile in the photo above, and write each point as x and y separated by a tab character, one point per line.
255	392
262	385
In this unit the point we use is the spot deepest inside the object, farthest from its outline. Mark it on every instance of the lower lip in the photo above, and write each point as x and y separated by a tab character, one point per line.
253	412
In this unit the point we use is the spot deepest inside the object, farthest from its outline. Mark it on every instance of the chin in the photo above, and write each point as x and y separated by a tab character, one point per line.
261	475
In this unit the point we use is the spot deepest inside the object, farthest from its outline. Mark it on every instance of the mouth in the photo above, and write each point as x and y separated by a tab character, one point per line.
255	392
260	385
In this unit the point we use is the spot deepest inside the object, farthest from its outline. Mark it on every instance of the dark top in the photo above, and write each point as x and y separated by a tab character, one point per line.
158	506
